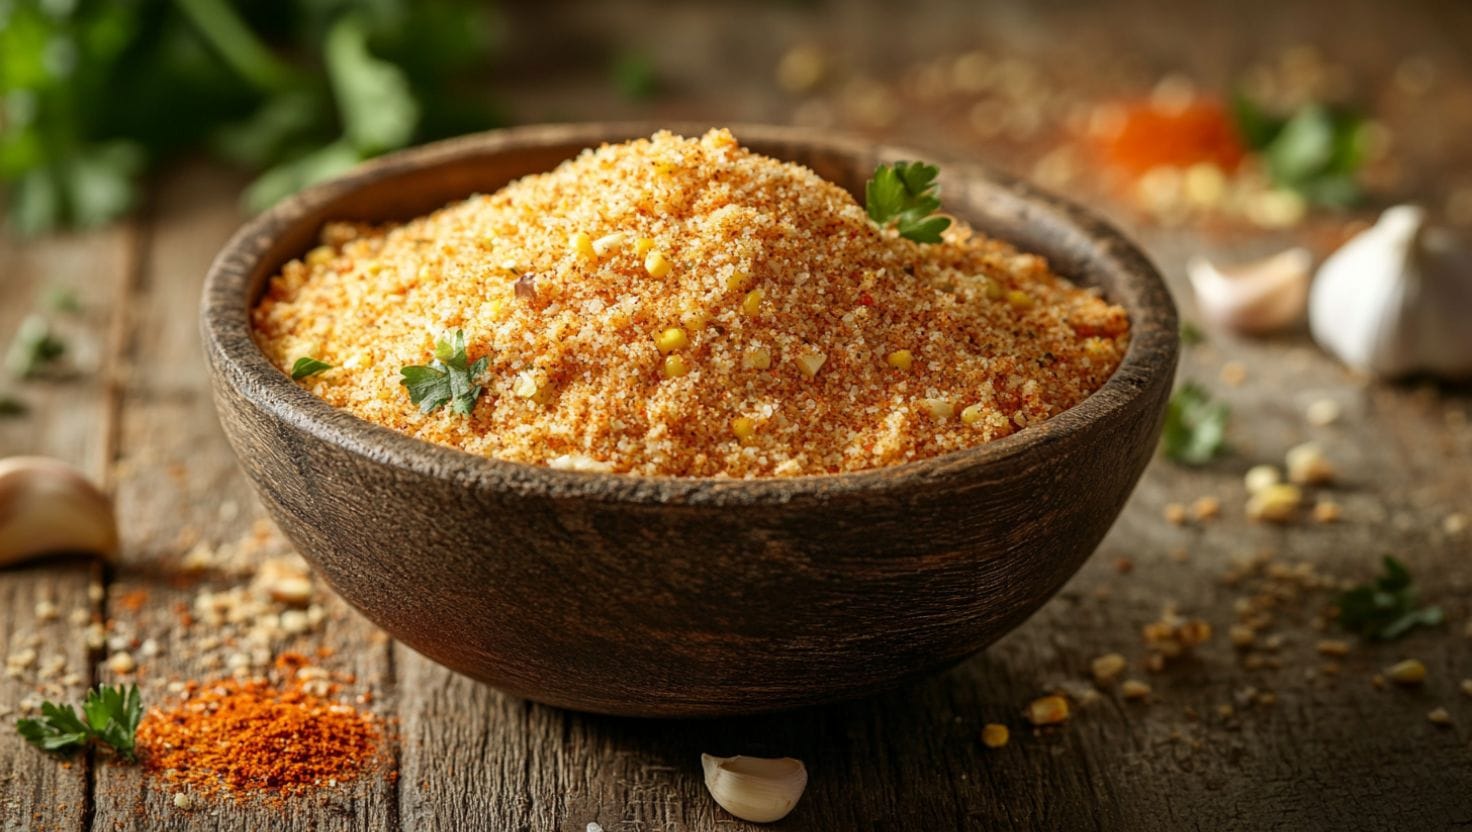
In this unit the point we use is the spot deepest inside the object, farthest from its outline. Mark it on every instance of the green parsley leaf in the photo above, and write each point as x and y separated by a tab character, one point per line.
906	195
34	349
378	108
450	378
1386	609
111	716
1195	427
307	366
1314	151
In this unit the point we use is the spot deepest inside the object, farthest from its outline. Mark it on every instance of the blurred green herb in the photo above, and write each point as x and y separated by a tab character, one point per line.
906	194
1195	429
110	716
306	366
11	406
450	378
63	300
1315	151
1191	334
635	76
1385	608
34	349
93	92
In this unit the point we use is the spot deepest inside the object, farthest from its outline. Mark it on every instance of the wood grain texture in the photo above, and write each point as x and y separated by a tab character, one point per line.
179	488
70	417
686	597
1332	754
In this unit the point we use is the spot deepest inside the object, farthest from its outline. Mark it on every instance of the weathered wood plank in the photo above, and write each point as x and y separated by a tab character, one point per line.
179	489
68	418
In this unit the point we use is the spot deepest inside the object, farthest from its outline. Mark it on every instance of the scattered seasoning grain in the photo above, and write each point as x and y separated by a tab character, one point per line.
1439	716
1134	690
1206	508
1407	672
1175	514
1307	465
1047	710
1333	647
1107	667
995	735
1327	511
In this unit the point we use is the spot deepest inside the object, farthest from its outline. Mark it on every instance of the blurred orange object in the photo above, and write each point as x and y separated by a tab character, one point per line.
1139	136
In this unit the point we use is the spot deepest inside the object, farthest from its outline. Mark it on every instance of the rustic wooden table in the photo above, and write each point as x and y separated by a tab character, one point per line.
1208	752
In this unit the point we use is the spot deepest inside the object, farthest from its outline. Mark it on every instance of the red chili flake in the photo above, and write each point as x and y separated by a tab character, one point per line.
866	299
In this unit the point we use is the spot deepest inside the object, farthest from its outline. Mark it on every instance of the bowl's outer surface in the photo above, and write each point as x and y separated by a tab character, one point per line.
678	597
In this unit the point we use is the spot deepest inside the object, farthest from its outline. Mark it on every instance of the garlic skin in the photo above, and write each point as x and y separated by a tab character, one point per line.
1397	299
758	789
49	507
1258	297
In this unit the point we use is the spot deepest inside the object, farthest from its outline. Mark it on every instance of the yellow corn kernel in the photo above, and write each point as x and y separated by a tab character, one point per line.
671	339
643	246
656	263
971	414
1019	299
994	290
744	428
609	243
995	735
810	362
1048	710
664	168
321	256
901	359
497	308
756	359
752	303
738	280
675	366
582	244
941	409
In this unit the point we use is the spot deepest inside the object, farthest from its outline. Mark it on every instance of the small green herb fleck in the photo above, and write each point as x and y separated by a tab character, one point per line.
11	406
63	300
307	366
450	378
1191	334
1386	609
111	718
906	195
35	348
1195	426
634	76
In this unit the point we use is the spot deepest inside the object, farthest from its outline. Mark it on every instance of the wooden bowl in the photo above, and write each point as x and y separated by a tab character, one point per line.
672	596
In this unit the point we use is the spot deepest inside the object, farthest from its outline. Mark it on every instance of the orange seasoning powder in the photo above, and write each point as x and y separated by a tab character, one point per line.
1144	135
244	737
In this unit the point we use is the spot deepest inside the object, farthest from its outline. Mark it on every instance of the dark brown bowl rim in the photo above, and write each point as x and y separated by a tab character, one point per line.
1152	350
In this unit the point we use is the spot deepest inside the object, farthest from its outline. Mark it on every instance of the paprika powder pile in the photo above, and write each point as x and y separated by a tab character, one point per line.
253	736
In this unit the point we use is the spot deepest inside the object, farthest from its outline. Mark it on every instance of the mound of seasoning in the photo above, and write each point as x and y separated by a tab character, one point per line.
687	307
253	737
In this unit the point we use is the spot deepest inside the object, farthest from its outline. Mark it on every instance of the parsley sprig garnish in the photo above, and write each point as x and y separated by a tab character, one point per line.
450	378
307	366
110	716
1195	429
906	195
1386	608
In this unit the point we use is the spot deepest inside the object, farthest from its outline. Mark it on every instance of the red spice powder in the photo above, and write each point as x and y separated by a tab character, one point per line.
1150	136
254	737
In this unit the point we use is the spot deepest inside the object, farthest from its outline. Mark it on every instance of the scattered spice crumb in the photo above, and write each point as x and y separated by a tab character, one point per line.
1107	667
1047	710
995	735
1134	690
1206	508
1439	716
1234	373
1407	672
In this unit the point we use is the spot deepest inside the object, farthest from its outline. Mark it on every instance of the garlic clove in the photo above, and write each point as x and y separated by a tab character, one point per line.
1261	296
1396	298
49	507
758	789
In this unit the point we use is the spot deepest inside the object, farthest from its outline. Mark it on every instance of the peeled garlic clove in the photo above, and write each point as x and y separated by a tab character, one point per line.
1260	296
1396	299
758	789
49	507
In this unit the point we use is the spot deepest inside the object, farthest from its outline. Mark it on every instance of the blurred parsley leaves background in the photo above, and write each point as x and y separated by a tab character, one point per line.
93	92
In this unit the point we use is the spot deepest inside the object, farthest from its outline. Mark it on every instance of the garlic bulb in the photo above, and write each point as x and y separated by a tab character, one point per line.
1397	299
48	507
1260	296
758	789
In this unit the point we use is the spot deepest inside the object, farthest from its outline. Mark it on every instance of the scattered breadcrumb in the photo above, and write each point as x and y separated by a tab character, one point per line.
995	735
